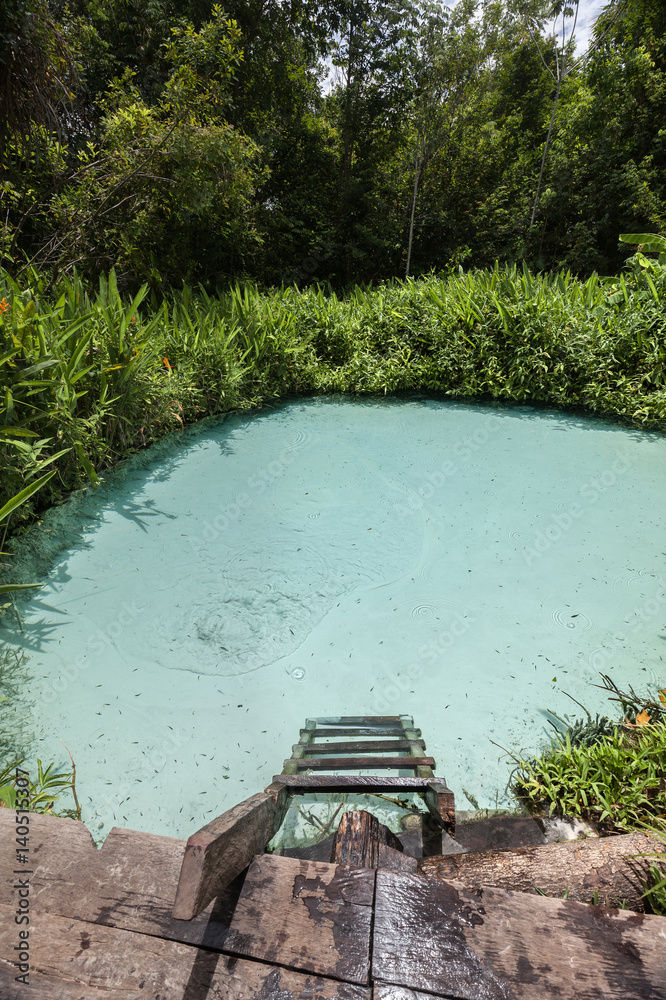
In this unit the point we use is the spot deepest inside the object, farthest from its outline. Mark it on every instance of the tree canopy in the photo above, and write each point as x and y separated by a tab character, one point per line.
297	141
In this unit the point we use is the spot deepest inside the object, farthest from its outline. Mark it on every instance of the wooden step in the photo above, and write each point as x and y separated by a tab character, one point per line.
360	731
359	720
370	746
358	763
359	782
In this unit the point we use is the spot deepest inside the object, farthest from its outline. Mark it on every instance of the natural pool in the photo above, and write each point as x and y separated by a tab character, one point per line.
465	564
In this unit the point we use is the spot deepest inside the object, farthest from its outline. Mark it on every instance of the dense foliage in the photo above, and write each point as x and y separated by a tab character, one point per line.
342	142
87	378
610	773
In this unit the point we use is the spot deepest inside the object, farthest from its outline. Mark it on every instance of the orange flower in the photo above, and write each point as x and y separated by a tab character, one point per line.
165	362
4	305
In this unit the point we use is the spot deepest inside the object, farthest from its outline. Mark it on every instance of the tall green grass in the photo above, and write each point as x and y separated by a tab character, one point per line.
88	376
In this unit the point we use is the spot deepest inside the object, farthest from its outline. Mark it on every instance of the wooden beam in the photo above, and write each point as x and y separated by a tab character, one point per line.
363	746
441	804
359	720
220	851
75	960
358	763
439	937
280	795
357	841
307	915
357	782
395	730
611	867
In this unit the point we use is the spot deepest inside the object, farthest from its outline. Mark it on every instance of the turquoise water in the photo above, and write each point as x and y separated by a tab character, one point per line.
464	564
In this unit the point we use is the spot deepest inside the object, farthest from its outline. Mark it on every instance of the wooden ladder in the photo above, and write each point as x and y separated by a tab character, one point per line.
220	851
370	743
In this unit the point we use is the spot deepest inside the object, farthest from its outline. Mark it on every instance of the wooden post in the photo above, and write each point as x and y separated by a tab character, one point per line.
357	841
220	851
290	766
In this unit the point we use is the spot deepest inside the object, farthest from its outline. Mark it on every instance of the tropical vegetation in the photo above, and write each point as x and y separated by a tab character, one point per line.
609	772
345	141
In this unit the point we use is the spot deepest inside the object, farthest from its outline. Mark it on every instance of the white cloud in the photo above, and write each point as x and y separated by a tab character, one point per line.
588	12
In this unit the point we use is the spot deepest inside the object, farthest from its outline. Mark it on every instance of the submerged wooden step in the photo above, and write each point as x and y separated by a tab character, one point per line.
359	720
359	763
359	731
354	746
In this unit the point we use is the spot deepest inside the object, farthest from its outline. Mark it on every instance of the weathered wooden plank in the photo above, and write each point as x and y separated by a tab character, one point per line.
357	840
359	720
345	782
608	866
74	960
130	883
389	857
307	915
359	763
386	991
220	851
498	945
360	731
52	843
361	746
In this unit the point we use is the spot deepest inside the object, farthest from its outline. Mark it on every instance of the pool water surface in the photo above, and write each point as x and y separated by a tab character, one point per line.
469	565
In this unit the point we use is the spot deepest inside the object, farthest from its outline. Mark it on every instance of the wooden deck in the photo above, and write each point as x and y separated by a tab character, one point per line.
101	929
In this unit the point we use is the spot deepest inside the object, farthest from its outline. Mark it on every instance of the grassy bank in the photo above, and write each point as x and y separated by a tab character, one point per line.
89	377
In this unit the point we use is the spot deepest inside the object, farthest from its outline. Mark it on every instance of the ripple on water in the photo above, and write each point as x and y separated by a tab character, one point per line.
568	618
426	614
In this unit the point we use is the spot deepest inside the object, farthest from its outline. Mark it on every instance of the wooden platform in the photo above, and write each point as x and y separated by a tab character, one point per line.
287	929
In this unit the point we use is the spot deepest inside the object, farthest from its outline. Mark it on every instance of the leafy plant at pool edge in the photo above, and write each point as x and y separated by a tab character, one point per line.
44	792
617	781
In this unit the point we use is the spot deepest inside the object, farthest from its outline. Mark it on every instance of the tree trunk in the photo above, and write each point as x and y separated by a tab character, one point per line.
605	866
545	153
417	170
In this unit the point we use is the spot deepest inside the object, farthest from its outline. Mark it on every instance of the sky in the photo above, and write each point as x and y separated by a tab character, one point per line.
588	12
